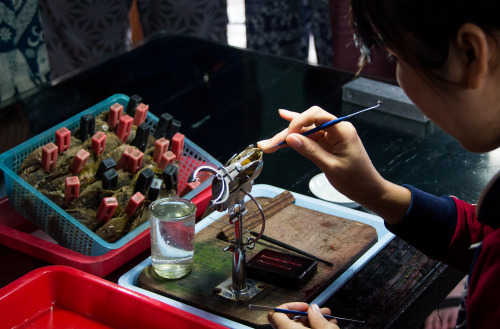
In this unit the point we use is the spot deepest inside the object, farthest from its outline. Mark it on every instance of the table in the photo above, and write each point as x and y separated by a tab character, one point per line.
227	98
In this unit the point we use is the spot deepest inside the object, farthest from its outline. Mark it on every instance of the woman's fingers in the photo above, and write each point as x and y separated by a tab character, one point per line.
299	123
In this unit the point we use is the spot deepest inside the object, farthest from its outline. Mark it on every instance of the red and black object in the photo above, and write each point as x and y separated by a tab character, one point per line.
178	145
63	139
132	104
281	269
71	188
106	164
144	181
106	209
134	203
124	127
99	143
141	112
171	177
115	113
166	159
161	146
154	189
49	157
173	129
79	161
163	125
87	126
141	136
110	179
135	161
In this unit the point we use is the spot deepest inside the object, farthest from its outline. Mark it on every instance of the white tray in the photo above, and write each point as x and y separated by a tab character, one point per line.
130	279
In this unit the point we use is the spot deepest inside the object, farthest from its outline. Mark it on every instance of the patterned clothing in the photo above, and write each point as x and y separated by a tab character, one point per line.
282	27
202	18
82	32
449	229
23	55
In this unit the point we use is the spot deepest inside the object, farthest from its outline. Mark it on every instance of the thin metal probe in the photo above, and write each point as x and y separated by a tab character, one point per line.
282	310
281	244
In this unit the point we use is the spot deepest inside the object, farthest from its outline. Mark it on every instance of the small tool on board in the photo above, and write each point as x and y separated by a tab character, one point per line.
282	310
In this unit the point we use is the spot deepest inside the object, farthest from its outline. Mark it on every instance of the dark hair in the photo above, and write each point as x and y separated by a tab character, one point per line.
418	31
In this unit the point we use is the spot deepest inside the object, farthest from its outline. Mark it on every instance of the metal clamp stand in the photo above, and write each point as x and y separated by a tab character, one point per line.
231	184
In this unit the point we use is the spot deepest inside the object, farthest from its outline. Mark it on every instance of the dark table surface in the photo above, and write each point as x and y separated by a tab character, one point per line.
227	98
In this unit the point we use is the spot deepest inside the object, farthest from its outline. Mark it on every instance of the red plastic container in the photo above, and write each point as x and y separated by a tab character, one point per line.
63	297
15	233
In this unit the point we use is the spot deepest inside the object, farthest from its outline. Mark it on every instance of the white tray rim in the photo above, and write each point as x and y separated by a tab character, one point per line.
130	279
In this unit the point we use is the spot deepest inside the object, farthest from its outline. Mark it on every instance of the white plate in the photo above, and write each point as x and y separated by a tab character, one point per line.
321	187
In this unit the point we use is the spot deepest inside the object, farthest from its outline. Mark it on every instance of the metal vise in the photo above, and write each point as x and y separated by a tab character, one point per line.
231	183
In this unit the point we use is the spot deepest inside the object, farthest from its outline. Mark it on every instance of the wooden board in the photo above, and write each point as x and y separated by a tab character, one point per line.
338	240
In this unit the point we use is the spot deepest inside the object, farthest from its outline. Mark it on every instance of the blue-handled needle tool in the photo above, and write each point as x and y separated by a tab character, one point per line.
328	124
282	310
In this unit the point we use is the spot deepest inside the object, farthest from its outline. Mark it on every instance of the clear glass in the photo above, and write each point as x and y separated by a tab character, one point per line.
172	236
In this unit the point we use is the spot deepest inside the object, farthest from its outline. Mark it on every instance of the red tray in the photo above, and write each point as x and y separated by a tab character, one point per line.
64	297
16	233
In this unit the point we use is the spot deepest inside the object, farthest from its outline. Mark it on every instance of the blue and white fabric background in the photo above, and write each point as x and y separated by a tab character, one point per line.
283	28
45	39
23	54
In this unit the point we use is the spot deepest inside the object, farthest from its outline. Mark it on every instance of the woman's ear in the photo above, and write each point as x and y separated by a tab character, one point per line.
475	50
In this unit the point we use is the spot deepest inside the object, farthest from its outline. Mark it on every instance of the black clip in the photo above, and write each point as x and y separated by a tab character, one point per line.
144	181
87	126
163	125
110	179
133	101
105	165
141	136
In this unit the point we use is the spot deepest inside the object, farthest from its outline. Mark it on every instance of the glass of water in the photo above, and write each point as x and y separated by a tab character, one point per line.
172	236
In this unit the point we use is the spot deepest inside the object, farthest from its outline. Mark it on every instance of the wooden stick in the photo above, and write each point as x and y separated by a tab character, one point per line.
253	218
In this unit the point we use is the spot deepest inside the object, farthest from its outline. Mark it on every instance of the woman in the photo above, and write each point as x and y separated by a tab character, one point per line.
449	66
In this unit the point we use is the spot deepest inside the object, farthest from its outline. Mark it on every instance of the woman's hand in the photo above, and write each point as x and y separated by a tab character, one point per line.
313	320
340	154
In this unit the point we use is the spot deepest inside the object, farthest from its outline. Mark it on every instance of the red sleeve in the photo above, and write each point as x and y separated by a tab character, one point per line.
467	232
483	307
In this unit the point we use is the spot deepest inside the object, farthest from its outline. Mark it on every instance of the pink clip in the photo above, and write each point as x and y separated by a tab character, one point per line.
124	127
49	157
115	113
135	202
166	159
135	161
99	143
63	139
79	161
161	146
106	209
71	188
178	145
189	187
123	162
140	114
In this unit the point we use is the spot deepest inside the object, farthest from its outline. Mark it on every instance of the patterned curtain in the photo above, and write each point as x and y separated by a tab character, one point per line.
202	18
79	32
283	28
23	55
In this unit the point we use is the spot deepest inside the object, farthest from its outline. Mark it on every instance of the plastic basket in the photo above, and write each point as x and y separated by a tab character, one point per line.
52	219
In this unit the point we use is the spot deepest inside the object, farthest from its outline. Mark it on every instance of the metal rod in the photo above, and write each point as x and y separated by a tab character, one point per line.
282	310
289	247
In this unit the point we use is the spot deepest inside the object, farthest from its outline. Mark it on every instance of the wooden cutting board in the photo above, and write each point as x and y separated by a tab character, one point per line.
335	239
